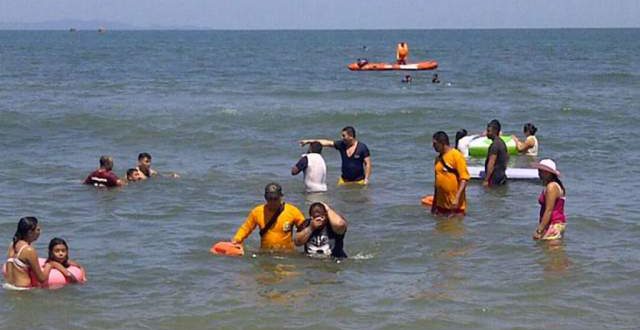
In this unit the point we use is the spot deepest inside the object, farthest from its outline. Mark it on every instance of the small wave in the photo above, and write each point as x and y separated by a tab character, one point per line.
362	256
230	111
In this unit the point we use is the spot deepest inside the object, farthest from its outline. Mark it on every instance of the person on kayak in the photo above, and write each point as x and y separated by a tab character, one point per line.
402	53
362	62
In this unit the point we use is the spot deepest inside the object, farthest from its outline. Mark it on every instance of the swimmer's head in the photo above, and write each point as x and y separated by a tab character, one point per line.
133	174
348	134
440	141
318	210
493	129
315	147
106	162
28	230
460	134
144	161
529	129
59	251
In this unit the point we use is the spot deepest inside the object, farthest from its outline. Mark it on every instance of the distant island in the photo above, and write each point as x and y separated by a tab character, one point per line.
80	25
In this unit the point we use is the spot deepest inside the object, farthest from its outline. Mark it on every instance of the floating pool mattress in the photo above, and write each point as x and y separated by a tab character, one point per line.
480	147
477	173
426	65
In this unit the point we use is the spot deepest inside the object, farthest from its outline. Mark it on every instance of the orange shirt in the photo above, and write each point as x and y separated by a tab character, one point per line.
447	183
280	236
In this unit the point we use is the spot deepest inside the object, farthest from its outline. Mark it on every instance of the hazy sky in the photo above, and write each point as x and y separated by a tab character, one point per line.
331	14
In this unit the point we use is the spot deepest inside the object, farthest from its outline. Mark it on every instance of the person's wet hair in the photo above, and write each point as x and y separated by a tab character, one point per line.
459	135
131	171
55	241
106	162
315	147
528	127
319	205
495	124
25	226
350	131
144	155
441	137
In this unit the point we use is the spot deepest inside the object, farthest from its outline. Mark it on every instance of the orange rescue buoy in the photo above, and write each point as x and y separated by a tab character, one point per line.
427	200
227	249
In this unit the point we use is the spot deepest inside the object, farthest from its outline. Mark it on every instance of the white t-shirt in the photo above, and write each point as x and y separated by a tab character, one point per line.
315	173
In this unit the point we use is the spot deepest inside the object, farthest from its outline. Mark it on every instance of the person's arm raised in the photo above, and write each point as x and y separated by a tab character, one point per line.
337	221
302	236
324	142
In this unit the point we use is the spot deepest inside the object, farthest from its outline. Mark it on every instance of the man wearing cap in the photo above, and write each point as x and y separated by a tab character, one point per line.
495	165
356	159
275	219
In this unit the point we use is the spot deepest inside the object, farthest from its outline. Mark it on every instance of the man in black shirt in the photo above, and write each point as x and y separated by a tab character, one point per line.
496	163
356	159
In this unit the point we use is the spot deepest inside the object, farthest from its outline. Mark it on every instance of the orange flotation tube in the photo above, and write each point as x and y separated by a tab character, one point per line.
427	200
426	65
227	249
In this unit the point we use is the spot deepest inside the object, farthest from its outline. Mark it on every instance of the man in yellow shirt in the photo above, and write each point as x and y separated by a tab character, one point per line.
275	219
451	177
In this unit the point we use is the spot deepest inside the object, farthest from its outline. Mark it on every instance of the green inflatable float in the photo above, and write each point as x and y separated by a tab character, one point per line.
480	147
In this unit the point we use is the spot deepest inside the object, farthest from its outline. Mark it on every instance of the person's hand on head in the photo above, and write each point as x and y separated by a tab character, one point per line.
317	222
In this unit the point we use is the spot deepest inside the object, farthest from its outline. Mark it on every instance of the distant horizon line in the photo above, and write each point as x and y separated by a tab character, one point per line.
106	29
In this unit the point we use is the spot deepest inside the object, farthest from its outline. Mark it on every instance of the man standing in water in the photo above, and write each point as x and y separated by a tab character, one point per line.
402	53
144	165
451	177
275	219
356	159
314	168
496	163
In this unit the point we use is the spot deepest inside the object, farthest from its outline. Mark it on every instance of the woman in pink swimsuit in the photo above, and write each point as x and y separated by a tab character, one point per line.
552	221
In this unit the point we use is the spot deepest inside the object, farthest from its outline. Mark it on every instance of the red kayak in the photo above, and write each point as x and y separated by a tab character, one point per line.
426	65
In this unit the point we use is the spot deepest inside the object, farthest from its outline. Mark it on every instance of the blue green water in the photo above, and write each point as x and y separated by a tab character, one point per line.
225	110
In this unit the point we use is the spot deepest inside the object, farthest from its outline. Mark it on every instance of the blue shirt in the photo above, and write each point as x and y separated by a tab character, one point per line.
352	167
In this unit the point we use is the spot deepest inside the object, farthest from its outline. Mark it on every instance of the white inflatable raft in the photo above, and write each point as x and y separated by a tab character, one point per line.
477	173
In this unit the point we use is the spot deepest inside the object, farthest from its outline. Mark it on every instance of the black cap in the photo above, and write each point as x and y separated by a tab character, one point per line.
273	190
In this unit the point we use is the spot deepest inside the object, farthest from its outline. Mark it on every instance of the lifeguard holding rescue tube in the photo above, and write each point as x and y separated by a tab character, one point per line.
402	53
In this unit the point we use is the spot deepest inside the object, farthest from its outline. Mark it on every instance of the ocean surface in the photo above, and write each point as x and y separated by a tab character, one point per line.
225	110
